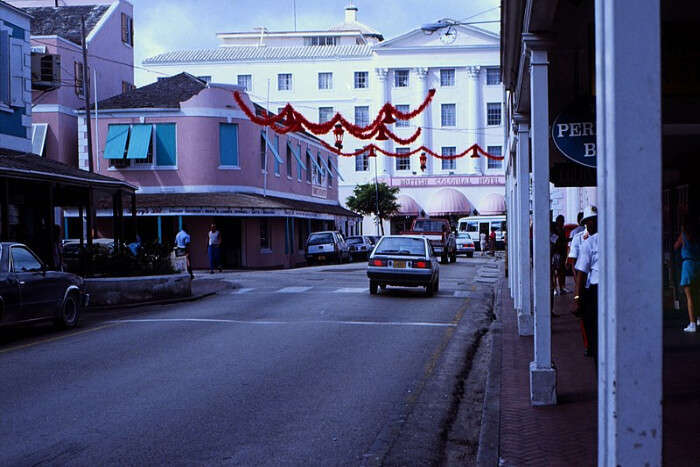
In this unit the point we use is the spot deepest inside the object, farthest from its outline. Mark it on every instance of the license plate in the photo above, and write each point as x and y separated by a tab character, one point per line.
321	258
399	264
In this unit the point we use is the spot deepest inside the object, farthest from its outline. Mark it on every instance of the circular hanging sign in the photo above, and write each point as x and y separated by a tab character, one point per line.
573	132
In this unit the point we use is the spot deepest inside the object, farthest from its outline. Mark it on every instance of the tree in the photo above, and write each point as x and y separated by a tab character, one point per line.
364	201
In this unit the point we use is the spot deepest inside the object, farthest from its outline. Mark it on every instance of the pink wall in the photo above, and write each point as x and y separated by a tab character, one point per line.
61	138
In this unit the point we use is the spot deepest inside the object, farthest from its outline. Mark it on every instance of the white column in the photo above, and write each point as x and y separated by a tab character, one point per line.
543	390
510	182
382	96
628	101
426	138
522	167
475	120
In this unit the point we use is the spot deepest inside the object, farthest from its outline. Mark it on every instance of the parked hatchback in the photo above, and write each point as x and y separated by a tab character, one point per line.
403	260
326	247
29	292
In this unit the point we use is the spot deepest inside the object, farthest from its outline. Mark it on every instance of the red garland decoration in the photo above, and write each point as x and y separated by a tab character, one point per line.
372	149
295	121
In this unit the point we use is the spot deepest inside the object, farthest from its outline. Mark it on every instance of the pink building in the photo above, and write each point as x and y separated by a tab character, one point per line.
57	66
198	159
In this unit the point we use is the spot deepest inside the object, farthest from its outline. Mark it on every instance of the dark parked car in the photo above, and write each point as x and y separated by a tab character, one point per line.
359	247
29	292
326	246
407	261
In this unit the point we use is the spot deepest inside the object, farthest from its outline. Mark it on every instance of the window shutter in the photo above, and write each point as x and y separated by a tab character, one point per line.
16	73
78	72
124	30
166	147
4	67
131	31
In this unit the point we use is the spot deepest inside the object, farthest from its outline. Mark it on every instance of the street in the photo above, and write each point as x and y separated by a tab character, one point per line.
293	367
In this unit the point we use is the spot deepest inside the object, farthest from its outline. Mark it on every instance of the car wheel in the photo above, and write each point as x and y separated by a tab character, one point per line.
437	284
429	290
373	287
69	314
470	254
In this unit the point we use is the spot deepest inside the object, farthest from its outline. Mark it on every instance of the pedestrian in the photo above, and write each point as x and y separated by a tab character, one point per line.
574	253
689	244
492	241
558	256
182	247
214	249
586	291
482	242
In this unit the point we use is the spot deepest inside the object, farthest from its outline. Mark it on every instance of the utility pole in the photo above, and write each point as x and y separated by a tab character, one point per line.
86	93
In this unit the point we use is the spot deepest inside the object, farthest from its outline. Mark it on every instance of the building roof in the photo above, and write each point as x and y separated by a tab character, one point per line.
20	165
165	93
236	201
13	8
357	26
64	21
256	53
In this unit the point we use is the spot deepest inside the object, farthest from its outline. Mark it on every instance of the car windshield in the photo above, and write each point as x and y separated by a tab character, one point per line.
468	226
401	246
428	226
321	239
353	240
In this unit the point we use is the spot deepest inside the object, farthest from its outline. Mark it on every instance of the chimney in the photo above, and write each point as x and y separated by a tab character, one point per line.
351	14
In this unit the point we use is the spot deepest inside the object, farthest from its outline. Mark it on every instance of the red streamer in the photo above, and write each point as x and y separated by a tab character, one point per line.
375	148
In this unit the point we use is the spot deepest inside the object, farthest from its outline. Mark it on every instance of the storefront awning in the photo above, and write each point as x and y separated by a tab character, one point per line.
116	141
297	156
272	149
140	142
448	201
492	204
408	206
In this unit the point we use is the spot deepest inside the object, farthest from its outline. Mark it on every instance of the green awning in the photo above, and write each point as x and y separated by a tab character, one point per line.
272	149
139	142
297	156
313	161
116	141
330	161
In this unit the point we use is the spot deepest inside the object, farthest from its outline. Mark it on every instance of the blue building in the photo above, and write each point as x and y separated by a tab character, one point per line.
15	80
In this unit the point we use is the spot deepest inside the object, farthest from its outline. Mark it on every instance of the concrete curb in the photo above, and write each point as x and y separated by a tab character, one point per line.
489	438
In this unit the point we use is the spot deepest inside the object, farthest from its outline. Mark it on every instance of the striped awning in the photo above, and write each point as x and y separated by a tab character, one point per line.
408	206
492	204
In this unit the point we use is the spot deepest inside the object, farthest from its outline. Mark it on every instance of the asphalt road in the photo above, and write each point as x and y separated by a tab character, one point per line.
293	367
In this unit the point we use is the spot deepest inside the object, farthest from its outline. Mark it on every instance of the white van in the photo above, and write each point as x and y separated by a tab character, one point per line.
472	226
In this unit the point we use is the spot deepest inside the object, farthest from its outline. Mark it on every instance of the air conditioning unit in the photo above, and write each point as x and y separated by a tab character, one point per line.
46	71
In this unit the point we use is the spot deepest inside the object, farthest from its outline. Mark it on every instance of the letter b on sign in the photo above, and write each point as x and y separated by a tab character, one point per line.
589	150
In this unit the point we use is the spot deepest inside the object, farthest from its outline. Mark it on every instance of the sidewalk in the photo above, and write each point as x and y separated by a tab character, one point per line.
566	434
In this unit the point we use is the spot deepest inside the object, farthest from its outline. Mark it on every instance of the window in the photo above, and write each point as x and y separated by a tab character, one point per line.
325	80
289	161
309	168
228	145
401	78
493	113
149	146
402	123
265	234
448	114
246	82
277	147
449	164
492	163
330	177
362	162
361	79
321	40
23	260
263	152
493	76
127	30
447	77
325	114
403	163
284	82
362	115
78	74
127	86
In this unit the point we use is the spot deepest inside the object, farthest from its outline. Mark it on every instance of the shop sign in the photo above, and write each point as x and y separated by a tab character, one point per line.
319	192
452	180
573	132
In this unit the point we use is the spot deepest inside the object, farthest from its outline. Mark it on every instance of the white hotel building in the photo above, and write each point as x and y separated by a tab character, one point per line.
350	69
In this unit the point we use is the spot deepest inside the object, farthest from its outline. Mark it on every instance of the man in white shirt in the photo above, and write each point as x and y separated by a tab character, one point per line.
587	278
182	247
574	252
214	249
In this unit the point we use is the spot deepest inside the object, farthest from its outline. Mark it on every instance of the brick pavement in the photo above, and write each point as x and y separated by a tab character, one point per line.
567	433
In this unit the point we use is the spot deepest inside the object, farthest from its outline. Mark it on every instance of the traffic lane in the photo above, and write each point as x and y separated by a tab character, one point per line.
241	393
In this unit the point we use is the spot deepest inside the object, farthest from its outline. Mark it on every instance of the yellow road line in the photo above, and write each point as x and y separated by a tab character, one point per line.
52	339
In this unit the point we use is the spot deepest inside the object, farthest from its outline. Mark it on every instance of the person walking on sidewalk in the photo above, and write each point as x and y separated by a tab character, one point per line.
690	270
586	292
574	252
482	242
214	249
182	247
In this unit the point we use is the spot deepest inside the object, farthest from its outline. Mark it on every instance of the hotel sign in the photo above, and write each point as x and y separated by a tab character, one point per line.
451	180
573	132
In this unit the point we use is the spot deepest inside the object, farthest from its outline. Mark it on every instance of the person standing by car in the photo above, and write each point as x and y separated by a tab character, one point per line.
690	270
182	247
214	249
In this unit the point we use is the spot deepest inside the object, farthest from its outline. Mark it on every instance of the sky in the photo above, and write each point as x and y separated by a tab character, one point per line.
165	25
